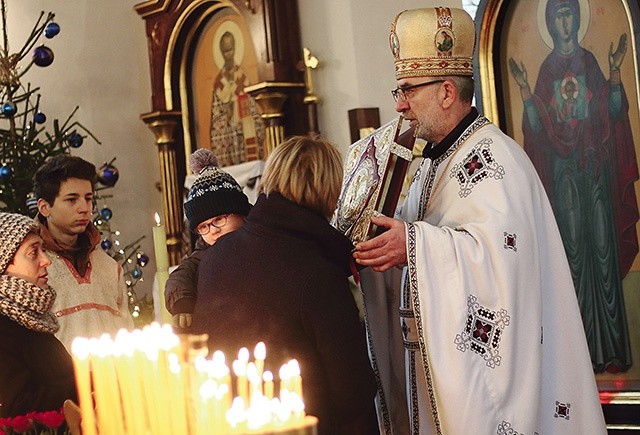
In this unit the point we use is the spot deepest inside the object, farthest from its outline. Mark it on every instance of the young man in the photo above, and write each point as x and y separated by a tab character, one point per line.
91	293
492	334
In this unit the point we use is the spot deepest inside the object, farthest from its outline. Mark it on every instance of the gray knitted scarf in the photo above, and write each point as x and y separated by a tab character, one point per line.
27	304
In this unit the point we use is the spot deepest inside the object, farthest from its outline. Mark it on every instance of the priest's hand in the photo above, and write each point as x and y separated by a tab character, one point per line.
182	320
387	250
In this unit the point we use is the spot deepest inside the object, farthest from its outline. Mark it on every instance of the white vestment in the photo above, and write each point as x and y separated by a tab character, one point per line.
489	322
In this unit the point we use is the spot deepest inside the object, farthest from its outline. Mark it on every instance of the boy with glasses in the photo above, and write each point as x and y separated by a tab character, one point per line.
215	206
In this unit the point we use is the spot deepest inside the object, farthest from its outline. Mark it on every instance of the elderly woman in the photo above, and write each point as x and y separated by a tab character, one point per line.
36	371
282	278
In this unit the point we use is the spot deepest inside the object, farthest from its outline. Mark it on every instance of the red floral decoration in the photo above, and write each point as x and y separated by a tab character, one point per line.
36	423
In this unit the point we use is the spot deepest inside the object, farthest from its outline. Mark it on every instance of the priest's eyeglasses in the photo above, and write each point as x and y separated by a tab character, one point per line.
218	222
403	93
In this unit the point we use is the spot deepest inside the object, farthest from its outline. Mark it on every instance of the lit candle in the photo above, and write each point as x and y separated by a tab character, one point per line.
136	419
162	265
297	405
267	377
260	353
207	408
236	416
160	371
107	407
223	403
242	384
80	351
171	354
138	368
296	378
255	382
285	380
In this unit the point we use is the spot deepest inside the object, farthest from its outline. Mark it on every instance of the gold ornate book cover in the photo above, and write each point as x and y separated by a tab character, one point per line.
374	171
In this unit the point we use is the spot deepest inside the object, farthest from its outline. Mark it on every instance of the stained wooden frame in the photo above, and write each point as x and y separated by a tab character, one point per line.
497	95
173	29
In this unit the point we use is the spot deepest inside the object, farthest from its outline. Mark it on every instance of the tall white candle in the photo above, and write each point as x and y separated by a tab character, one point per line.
80	351
162	265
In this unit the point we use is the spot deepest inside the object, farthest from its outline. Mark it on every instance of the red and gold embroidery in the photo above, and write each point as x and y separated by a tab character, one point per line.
483	331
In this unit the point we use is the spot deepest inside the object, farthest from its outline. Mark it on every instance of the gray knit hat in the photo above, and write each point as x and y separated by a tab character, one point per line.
13	229
214	192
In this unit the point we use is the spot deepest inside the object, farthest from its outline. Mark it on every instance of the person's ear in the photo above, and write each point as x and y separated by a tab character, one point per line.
44	208
450	94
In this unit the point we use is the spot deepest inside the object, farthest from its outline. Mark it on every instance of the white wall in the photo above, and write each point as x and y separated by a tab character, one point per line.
101	65
351	41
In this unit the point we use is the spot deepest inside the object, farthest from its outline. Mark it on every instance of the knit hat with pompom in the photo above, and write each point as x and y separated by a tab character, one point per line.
214	192
13	229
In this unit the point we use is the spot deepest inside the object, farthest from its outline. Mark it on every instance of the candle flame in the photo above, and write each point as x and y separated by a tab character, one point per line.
157	218
80	347
294	367
239	368
260	352
243	355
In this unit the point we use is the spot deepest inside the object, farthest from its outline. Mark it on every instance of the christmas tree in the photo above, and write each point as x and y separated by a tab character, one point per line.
26	142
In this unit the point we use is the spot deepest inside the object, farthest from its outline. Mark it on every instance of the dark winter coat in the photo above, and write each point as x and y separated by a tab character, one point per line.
181	288
282	279
36	371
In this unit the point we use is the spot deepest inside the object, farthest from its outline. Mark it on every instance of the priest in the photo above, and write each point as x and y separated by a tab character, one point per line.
483	324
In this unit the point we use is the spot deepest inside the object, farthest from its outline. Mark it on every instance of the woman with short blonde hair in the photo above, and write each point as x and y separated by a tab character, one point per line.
307	171
282	278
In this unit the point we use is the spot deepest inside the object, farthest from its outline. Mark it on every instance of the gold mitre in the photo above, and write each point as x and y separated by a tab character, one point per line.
433	42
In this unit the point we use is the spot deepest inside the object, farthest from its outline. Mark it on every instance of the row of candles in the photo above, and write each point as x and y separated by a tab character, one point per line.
151	381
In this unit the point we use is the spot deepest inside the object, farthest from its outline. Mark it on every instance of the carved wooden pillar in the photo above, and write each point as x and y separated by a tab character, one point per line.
174	30
270	98
163	125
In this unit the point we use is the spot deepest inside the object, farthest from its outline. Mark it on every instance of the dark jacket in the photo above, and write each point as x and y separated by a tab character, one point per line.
181	287
283	279
36	371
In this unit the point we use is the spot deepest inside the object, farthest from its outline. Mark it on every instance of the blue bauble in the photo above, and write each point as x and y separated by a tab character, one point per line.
106	244
51	30
108	175
106	213
40	118
43	56
9	109
74	140
5	172
143	259
136	273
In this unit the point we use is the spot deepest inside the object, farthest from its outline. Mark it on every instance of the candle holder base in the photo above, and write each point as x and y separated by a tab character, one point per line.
308	427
